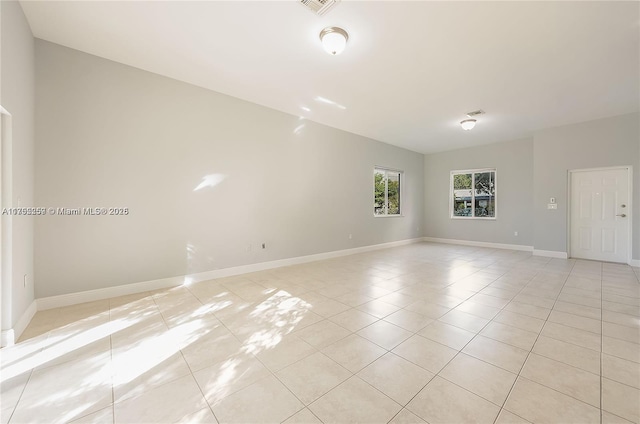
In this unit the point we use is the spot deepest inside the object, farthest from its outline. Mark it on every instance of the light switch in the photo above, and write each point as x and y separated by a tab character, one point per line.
552	200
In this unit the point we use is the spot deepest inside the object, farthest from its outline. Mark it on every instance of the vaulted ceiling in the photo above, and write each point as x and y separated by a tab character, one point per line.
409	74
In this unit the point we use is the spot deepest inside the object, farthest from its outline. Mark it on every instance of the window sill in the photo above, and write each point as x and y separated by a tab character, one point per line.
475	218
388	216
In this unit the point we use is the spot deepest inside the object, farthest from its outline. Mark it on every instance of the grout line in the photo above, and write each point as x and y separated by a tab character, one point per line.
113	389
601	340
476	334
536	340
361	268
13	411
388	351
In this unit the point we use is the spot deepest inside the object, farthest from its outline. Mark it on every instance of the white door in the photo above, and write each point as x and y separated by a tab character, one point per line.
600	215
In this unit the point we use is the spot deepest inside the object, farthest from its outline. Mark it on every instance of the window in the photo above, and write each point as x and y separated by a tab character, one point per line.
387	194
473	194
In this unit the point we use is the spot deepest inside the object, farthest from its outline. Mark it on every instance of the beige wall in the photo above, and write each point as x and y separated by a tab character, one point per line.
112	135
17	96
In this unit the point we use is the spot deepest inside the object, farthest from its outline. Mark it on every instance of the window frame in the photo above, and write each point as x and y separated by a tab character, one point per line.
473	195
386	192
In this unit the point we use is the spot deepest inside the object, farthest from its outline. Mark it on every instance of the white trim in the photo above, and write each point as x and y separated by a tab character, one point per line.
6	227
7	338
630	205
386	191
519	247
25	319
550	254
386	168
109	292
635	262
62	300
10	336
495	193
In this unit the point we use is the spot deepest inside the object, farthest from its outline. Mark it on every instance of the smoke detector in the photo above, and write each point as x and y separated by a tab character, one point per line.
319	7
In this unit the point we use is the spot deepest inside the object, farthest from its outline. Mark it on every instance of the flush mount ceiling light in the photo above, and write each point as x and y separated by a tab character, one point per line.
334	40
468	124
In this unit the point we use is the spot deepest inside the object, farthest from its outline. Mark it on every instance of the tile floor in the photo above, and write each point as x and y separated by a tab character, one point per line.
420	333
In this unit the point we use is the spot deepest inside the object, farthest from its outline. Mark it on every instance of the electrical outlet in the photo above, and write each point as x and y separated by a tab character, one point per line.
350	236
515	233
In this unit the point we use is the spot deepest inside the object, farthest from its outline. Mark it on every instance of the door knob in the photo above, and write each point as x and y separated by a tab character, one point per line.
622	215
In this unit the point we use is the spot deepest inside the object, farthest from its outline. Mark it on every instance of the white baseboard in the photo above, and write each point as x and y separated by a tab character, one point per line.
480	244
9	337
550	254
62	300
261	266
635	262
109	292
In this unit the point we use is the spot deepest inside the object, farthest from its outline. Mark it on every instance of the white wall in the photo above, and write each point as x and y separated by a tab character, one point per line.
513	163
18	98
112	135
604	142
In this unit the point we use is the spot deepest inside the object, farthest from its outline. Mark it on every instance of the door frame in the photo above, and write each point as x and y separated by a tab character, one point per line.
629	170
6	241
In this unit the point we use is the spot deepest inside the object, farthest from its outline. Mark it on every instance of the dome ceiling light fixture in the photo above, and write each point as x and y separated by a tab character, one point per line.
334	40
468	124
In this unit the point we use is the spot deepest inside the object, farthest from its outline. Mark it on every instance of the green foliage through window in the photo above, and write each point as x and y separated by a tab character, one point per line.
386	198
461	181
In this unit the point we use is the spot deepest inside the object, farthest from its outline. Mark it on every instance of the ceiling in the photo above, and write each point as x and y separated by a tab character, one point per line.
409	74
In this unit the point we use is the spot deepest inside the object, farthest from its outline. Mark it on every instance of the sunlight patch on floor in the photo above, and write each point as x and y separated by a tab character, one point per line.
154	350
280	314
65	347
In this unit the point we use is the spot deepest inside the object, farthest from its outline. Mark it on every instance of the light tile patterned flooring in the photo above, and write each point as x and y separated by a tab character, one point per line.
420	333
